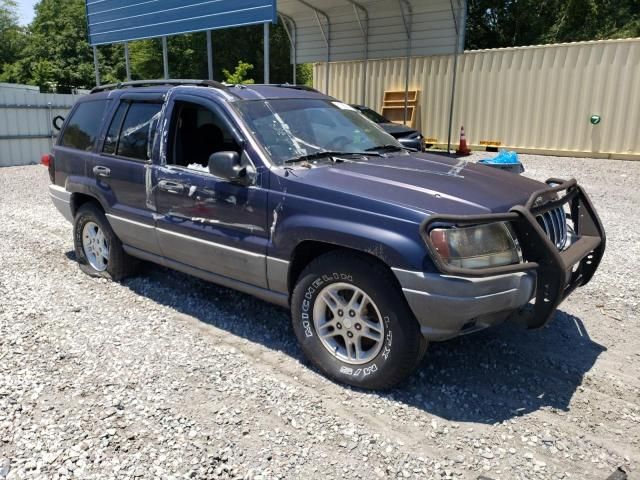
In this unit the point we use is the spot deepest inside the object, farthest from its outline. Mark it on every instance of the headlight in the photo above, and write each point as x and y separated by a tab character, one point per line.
480	246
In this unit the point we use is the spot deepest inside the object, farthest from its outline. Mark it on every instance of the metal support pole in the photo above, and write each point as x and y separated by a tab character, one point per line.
265	45
96	65
326	35
165	58
209	55
290	28
364	30
127	63
458	47
407	20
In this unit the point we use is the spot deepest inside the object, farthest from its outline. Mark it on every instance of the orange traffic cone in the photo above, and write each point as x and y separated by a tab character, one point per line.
462	148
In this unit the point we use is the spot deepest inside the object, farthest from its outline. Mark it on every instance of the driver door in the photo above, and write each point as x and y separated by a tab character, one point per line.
205	221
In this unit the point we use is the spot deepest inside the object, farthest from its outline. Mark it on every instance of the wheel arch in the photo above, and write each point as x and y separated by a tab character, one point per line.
78	199
308	250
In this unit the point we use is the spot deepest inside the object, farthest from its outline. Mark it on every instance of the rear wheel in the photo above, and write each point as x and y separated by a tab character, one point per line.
98	249
353	323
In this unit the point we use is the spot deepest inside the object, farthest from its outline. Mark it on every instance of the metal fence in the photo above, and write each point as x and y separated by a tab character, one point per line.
26	131
536	99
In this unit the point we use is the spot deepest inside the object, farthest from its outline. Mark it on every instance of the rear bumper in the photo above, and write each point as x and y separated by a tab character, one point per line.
62	201
447	306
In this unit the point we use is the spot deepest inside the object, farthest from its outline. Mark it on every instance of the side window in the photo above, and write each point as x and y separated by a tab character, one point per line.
197	132
135	132
84	125
111	142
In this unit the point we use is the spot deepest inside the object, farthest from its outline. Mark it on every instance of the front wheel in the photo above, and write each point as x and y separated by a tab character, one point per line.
353	323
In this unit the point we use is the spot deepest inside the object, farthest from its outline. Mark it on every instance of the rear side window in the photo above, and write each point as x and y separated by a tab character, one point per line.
111	142
84	125
135	133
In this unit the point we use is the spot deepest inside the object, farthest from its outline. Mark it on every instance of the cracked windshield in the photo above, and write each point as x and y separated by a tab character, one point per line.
297	129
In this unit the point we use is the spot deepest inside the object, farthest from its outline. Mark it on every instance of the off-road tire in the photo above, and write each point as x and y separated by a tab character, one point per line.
403	346
120	265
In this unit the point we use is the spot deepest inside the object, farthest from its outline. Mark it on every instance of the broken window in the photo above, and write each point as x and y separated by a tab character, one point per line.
196	133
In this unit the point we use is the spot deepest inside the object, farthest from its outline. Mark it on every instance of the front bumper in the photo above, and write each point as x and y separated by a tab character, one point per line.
459	300
447	306
417	143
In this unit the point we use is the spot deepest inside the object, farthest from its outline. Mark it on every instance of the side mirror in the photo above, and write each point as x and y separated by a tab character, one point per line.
227	165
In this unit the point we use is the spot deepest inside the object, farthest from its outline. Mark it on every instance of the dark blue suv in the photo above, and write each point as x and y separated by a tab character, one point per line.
294	197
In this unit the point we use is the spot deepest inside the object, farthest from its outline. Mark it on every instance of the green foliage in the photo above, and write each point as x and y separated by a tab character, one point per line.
494	23
239	75
304	74
12	36
56	52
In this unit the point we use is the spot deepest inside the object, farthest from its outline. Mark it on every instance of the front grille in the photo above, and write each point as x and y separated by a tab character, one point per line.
554	224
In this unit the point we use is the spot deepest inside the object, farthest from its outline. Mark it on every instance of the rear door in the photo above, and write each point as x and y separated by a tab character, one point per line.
121	166
204	221
77	143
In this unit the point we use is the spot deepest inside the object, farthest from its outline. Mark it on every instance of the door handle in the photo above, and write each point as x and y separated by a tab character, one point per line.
100	171
171	187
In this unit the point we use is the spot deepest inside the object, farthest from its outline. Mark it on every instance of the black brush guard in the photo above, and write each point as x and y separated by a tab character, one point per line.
558	272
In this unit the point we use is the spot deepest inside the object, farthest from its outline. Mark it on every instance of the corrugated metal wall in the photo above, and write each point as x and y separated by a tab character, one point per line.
534	99
25	122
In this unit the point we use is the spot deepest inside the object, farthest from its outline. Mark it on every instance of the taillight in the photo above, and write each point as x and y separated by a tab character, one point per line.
48	161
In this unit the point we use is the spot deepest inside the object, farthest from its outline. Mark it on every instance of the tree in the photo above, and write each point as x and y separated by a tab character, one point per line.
56	51
493	24
595	20
12	36
239	75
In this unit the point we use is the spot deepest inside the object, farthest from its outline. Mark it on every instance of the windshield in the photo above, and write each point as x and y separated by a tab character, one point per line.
294	128
372	115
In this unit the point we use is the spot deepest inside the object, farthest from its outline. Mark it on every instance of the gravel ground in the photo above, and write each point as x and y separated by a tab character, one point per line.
166	376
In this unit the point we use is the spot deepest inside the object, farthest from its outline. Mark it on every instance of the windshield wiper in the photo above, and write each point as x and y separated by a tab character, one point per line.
390	147
329	153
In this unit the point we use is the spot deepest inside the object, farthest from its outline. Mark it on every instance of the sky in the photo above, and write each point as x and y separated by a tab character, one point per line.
25	11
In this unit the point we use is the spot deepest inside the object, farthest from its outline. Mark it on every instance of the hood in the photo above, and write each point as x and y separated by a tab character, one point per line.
396	130
419	182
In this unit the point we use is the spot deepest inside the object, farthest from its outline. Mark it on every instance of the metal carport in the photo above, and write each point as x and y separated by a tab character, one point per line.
319	30
347	30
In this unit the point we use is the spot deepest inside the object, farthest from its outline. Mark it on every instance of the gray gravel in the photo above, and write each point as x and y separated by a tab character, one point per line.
166	376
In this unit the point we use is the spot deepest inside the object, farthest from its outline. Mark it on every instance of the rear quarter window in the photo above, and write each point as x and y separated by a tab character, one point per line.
84	125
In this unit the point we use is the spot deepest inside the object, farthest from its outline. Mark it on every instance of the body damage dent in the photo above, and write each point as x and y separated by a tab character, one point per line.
148	186
276	210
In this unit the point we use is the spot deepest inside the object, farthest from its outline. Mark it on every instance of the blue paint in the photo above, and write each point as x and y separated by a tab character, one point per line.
113	21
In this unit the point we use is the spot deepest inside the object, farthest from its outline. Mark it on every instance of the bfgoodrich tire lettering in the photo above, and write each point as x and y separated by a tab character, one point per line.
119	264
402	345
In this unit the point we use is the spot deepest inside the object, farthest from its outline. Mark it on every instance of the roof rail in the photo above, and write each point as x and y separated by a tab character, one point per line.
158	83
306	88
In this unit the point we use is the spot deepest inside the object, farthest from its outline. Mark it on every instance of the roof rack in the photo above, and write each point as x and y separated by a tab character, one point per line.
158	83
286	85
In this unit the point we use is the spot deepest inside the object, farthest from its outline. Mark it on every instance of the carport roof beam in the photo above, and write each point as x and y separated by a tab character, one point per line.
325	34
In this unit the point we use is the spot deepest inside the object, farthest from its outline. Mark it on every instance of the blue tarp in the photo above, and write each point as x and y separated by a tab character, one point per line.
505	160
